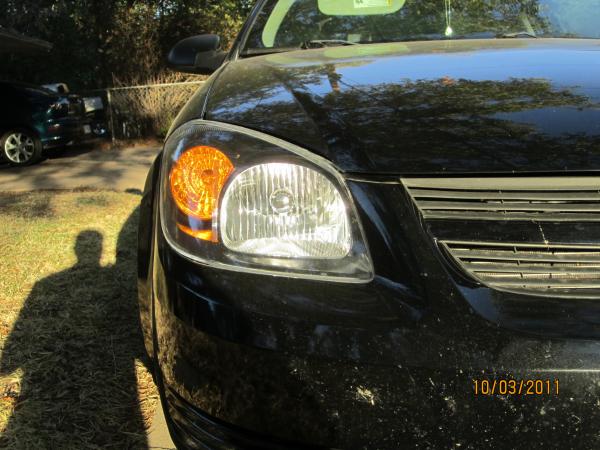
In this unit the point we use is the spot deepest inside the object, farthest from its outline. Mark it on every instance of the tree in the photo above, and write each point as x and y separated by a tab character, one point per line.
99	41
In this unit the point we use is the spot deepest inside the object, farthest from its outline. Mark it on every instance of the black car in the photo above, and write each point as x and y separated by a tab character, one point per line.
377	225
34	119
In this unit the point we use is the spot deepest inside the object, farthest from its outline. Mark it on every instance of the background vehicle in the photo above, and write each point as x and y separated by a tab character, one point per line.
370	211
34	119
93	107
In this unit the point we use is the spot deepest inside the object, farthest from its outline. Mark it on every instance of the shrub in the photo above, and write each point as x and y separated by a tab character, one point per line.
147	108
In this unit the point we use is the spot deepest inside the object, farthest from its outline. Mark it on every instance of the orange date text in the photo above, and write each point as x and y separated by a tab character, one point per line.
538	387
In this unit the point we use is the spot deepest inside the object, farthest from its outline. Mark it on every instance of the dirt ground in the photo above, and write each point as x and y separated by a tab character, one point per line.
119	169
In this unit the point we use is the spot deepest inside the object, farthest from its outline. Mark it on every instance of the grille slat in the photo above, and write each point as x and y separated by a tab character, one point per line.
496	215
497	195
541	198
507	184
501	255
548	284
485	267
559	270
511	206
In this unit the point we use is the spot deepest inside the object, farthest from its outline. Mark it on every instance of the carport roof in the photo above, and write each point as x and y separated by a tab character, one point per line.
13	42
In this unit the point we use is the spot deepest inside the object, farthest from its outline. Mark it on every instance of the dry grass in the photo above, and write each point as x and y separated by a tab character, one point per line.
72	369
152	109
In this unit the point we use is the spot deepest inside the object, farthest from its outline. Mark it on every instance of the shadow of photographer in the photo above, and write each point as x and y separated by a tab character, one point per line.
75	344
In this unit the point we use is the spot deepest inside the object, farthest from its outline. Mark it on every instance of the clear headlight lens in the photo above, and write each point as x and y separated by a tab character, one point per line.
241	200
285	210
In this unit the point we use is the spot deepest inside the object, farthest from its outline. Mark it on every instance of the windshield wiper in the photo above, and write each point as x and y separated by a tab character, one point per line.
320	43
304	46
518	34
266	51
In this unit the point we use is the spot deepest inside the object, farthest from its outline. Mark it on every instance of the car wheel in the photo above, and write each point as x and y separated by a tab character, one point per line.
21	147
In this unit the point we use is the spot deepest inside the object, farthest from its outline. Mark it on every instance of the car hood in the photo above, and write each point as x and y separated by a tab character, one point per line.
469	106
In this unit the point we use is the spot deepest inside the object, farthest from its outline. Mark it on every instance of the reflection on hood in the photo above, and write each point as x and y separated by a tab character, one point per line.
452	106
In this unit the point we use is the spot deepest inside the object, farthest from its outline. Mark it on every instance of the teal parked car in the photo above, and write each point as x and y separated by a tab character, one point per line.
35	120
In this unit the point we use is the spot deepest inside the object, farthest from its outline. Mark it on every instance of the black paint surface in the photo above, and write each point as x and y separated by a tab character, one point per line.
391	363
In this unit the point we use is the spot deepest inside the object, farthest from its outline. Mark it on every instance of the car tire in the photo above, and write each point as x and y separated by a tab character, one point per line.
20	147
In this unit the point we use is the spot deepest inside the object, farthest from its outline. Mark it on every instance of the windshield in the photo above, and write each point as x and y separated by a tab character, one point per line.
291	24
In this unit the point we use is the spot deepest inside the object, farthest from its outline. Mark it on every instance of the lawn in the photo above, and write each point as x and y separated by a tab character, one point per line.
73	373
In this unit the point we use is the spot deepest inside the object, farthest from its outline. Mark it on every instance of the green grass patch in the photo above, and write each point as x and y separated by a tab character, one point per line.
73	373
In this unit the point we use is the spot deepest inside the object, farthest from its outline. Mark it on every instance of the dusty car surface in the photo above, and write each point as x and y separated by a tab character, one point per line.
35	120
377	226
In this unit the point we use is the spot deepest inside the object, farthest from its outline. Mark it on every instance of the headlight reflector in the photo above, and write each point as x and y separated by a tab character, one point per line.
285	210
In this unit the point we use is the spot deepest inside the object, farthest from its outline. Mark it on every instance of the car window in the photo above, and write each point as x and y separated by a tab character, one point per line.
285	24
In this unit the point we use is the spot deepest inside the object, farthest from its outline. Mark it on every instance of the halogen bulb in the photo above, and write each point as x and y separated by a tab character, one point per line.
282	201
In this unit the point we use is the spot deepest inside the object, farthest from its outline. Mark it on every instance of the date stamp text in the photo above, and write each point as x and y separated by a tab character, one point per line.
538	387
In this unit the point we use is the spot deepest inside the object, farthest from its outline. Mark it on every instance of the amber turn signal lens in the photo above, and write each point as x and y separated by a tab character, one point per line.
205	235
197	179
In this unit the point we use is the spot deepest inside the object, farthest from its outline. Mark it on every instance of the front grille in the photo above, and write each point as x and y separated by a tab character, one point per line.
464	214
556	199
557	270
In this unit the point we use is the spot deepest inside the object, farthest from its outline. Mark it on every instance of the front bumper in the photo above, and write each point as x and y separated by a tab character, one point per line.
344	386
192	428
388	364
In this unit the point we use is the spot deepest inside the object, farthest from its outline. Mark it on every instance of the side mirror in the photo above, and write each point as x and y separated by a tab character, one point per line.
197	54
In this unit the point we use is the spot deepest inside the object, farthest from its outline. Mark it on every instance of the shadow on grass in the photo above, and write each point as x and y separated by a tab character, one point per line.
75	342
23	204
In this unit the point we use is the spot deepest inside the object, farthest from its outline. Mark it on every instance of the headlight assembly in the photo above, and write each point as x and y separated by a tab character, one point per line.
241	200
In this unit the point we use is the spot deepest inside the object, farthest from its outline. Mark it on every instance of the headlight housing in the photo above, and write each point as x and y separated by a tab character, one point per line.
241	200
